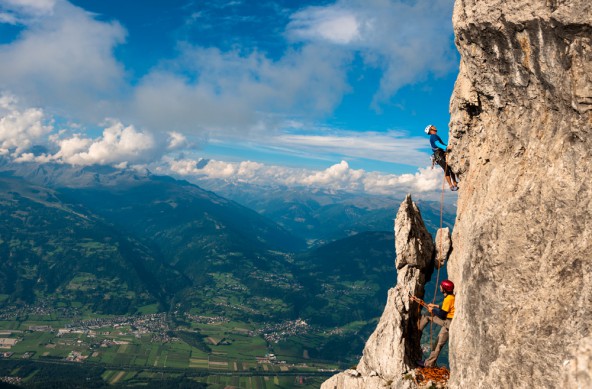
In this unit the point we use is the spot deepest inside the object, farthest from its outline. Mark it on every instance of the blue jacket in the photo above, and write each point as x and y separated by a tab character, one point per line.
437	143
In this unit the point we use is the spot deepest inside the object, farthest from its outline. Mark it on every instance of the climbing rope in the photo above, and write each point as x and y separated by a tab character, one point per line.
439	259
437	375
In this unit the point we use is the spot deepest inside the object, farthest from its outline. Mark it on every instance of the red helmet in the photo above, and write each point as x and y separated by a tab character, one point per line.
448	286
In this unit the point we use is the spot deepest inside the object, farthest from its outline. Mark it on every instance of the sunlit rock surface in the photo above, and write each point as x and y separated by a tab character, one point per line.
443	246
521	117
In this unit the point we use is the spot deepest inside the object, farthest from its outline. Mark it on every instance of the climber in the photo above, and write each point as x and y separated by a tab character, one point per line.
440	315
439	149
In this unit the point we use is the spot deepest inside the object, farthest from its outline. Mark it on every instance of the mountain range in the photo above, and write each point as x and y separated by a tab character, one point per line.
114	240
322	216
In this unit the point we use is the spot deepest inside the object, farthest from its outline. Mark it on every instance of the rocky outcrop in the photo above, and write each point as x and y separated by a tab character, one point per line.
443	245
394	347
521	137
413	242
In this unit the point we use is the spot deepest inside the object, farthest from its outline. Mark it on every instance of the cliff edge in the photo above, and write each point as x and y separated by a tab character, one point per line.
521	118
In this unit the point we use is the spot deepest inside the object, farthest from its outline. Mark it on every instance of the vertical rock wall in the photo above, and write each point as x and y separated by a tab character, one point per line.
521	135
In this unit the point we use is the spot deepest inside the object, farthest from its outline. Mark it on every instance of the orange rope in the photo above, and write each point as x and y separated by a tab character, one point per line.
439	259
437	375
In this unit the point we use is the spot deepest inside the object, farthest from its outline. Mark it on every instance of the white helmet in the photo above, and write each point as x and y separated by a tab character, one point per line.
428	128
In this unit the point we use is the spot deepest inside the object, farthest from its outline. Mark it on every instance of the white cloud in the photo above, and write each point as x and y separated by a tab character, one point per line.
8	18
236	92
407	40
330	24
19	129
23	128
64	59
340	176
118	145
337	177
391	146
30	7
30	157
177	141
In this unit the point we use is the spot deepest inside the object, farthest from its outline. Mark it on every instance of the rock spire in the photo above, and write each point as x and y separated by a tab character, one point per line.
394	347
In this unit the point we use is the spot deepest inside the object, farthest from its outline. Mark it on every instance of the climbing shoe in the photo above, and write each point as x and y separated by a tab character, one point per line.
454	188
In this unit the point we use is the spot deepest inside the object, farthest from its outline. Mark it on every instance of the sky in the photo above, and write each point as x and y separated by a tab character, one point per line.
317	93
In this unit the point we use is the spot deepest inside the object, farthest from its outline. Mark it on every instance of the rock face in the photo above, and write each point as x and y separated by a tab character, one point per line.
578	371
394	347
413	242
443	245
521	137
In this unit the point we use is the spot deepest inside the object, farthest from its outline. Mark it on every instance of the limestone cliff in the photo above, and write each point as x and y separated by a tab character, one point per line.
394	347
521	118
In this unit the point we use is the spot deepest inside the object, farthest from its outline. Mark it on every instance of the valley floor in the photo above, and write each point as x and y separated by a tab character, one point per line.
46	346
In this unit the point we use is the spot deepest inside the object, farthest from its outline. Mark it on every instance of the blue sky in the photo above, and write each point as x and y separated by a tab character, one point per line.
337	90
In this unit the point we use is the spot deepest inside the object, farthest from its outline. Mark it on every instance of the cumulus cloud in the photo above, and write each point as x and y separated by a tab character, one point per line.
336	177
23	128
118	145
19	129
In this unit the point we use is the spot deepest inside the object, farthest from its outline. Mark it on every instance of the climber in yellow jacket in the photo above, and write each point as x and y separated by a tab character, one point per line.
440	315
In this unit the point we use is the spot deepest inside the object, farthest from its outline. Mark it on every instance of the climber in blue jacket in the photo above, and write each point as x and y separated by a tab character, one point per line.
439	149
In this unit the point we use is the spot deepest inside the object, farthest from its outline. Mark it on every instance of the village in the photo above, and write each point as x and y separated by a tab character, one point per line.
119	330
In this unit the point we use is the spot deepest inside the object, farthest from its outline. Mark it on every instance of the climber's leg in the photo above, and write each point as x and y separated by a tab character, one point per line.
425	319
442	339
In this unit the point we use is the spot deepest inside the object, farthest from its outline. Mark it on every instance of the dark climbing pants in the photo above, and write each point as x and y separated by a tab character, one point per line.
440	158
442	336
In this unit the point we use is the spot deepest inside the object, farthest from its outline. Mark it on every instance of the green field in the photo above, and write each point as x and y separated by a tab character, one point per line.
127	358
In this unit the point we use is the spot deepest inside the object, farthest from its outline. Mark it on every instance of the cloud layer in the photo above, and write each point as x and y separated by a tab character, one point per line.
207	90
122	145
390	146
336	177
407	40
